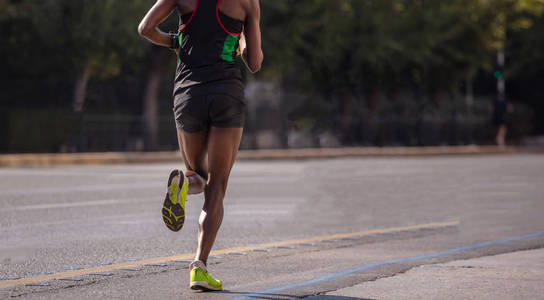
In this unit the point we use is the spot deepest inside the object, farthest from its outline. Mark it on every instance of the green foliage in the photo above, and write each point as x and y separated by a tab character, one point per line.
342	49
99	35
526	75
339	44
349	57
47	130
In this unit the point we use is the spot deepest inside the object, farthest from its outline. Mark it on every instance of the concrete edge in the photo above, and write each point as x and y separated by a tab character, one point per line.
43	160
511	265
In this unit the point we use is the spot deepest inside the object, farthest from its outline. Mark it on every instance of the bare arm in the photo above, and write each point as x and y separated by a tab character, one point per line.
250	43
510	108
156	15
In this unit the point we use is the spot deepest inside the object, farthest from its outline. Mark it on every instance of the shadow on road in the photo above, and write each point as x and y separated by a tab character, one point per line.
326	297
269	296
253	295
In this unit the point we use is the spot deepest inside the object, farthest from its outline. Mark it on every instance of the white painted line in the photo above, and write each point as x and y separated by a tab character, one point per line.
71	279
287	247
264	179
156	265
38	284
106	274
249	212
73	204
25	191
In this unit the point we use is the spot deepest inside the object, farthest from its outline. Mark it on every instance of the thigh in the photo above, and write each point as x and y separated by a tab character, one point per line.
223	144
193	148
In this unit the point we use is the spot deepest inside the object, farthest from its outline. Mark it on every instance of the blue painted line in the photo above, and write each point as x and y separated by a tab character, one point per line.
361	269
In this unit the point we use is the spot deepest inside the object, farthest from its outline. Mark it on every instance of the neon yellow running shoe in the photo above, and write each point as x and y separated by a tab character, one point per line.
202	280
173	208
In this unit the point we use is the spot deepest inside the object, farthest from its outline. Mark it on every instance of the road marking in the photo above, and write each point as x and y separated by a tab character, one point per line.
51	190
162	260
249	212
135	185
39	284
72	279
74	204
96	220
107	274
234	209
264	179
361	269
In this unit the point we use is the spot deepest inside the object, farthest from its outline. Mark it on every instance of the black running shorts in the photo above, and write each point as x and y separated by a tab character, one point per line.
198	113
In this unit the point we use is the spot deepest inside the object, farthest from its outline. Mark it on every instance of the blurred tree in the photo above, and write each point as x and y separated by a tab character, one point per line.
160	64
342	50
509	15
525	70
353	59
97	37
80	40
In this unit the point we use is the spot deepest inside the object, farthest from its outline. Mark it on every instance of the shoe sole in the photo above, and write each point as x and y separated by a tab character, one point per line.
173	212
203	286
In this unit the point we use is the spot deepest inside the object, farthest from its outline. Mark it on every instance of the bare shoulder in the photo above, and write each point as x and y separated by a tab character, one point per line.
185	6
250	6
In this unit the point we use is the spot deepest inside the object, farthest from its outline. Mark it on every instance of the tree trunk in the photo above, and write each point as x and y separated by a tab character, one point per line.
151	100
469	101
345	111
501	85
80	91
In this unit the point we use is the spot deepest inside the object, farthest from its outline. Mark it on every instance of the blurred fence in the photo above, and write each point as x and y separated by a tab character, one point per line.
118	132
126	133
95	133
268	126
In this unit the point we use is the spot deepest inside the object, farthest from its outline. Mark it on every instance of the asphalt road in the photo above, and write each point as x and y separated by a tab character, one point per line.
76	218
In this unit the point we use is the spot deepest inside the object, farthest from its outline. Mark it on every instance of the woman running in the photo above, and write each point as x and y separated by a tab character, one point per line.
209	107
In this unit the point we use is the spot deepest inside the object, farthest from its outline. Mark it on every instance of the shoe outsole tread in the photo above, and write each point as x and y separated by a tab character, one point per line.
173	212
203	286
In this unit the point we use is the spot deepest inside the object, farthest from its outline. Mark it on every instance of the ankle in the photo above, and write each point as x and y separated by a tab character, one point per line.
198	264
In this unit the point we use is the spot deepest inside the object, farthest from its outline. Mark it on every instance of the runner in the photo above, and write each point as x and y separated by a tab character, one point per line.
500	109
209	107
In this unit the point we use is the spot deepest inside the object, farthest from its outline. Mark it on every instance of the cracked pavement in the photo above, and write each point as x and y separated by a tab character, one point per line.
517	275
87	216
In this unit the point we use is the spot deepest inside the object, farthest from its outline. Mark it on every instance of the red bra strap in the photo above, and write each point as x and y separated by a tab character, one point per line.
220	23
191	18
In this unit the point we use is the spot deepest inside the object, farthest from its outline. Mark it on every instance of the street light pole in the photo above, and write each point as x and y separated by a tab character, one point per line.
501	84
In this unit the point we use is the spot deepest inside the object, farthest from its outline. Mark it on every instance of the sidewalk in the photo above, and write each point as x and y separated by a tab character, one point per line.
35	160
518	275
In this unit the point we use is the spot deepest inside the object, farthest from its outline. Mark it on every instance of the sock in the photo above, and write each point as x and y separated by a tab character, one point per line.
198	264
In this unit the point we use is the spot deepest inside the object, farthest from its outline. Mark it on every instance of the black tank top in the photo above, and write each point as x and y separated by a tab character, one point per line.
206	61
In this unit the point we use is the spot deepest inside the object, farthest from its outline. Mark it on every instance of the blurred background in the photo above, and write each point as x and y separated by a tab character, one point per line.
76	77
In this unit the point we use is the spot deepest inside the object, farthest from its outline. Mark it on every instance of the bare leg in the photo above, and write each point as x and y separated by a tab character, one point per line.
193	148
223	146
501	136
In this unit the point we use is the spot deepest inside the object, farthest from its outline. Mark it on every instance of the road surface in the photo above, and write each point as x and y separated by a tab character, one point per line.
291	228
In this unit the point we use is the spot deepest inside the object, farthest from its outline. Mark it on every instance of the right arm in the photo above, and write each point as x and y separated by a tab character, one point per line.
156	15
250	42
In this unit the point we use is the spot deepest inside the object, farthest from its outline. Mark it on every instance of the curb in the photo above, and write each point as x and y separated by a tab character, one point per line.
44	160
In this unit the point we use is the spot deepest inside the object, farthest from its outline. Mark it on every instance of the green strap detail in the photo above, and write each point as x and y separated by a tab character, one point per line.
229	48
180	37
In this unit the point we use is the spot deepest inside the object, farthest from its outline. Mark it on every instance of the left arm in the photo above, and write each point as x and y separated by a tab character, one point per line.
250	42
156	15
